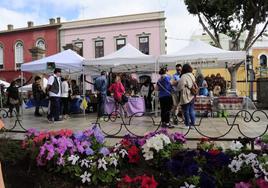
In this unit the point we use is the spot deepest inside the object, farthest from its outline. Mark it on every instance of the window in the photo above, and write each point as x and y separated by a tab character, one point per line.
120	43
1	57
263	61
40	43
144	44
80	46
99	48
18	54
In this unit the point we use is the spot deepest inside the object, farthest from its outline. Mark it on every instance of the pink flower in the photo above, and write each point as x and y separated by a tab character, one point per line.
243	185
261	183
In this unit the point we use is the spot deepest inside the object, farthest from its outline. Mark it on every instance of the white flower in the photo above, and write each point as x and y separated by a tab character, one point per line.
236	145
102	164
186	185
235	165
116	147
250	158
158	145
165	138
113	161
113	155
148	155
85	177
73	158
85	163
123	153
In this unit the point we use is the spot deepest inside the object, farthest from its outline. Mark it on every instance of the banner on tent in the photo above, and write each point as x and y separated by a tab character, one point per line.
204	64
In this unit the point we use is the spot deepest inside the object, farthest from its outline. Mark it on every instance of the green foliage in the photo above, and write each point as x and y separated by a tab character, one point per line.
11	150
230	17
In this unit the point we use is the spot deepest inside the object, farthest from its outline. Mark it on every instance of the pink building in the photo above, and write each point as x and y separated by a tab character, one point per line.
99	37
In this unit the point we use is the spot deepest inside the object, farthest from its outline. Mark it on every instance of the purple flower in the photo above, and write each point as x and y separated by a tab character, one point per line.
89	151
80	147
79	135
88	132
61	161
105	151
32	132
178	137
98	134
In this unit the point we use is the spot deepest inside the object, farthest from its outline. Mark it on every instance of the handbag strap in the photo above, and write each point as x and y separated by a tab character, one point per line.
192	81
163	87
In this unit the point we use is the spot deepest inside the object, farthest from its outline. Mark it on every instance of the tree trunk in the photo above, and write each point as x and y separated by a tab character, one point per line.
233	74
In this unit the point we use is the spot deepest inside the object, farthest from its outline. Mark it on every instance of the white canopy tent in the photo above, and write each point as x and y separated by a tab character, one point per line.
126	59
201	54
67	60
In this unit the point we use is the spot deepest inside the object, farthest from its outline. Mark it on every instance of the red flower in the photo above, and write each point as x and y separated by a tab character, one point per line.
148	182
127	179
133	154
125	142
204	139
214	152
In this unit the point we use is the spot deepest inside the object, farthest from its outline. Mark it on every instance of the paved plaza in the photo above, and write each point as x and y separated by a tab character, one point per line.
211	127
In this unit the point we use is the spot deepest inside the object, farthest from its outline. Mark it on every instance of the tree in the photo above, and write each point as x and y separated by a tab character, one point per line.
232	18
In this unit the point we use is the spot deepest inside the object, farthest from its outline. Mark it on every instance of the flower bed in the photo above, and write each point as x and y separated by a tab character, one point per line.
156	160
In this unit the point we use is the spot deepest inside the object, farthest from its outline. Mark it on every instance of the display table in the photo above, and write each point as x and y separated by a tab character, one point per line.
203	105
134	105
229	103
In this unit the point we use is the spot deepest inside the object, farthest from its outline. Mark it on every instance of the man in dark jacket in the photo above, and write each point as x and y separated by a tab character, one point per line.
101	87
38	94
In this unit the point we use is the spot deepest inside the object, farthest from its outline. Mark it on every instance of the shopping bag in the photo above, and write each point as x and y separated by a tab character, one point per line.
83	104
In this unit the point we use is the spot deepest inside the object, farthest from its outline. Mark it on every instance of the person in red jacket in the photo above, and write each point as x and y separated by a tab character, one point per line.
117	89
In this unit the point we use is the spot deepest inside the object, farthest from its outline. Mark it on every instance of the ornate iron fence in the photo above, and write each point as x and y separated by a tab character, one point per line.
250	117
17	122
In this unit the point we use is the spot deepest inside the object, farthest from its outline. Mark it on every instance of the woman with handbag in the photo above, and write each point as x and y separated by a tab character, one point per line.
187	86
13	98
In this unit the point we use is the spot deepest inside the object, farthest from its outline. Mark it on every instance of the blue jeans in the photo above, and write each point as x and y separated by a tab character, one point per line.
189	113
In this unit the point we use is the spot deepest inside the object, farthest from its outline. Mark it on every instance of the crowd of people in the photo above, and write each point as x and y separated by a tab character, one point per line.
175	93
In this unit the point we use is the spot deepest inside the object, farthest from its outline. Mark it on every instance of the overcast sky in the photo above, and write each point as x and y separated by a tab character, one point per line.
179	24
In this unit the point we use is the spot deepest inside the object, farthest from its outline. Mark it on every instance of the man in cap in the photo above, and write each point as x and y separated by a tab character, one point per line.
54	91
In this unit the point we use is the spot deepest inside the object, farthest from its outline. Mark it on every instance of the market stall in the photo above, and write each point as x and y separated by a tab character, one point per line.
127	59
202	55
68	61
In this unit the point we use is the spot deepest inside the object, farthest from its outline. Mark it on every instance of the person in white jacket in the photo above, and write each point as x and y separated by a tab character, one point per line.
187	98
65	97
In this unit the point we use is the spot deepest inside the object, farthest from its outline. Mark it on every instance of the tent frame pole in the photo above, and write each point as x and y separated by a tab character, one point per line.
21	84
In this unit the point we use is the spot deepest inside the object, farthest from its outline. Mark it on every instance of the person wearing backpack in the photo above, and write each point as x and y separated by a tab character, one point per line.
187	86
